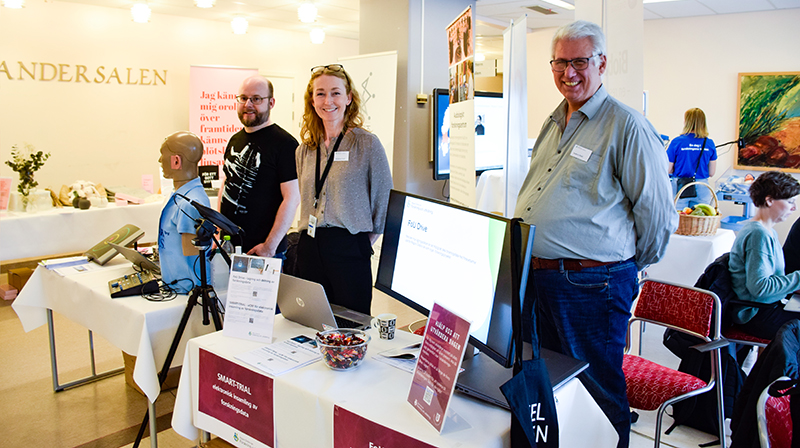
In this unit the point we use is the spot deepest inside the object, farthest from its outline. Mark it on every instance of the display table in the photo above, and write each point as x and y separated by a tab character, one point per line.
688	256
136	326
304	401
68	230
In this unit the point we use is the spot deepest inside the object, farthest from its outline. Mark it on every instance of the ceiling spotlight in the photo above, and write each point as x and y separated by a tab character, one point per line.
14	4
239	25
317	36
307	12
140	12
204	3
480	57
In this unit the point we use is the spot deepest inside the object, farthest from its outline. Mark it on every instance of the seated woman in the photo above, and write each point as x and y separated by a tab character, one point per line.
756	261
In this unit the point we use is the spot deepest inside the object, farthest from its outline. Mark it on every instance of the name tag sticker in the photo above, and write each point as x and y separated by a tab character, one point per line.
341	156
581	153
312	226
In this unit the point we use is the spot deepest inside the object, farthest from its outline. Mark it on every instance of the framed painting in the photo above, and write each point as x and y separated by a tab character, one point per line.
769	122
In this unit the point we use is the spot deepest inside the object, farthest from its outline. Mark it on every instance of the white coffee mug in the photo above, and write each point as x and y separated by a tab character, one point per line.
385	324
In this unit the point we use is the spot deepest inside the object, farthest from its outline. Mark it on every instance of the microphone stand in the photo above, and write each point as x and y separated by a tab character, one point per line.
207	298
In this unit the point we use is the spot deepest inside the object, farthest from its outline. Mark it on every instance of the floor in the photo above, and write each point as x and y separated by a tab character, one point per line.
107	413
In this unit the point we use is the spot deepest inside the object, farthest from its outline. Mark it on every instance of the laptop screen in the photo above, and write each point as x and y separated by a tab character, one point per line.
458	257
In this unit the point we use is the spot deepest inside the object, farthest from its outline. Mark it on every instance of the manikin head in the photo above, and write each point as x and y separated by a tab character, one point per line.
180	154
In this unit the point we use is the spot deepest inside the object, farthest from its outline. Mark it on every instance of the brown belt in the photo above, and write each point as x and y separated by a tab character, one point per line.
569	264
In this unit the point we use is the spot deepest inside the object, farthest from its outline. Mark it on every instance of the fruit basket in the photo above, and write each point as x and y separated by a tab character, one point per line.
694	225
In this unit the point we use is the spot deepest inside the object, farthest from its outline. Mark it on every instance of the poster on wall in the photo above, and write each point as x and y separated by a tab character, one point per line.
460	39
212	107
769	121
375	79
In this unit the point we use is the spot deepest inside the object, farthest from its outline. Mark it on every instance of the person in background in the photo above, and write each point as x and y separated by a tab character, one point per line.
693	155
756	260
260	192
180	154
791	249
344	190
598	192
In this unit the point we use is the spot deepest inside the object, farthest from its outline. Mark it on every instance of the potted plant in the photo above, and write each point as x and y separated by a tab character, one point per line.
26	162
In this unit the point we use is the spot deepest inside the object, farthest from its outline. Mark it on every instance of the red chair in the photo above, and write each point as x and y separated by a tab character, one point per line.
693	311
774	418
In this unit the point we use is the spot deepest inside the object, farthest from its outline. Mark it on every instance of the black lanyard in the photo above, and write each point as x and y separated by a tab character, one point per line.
319	182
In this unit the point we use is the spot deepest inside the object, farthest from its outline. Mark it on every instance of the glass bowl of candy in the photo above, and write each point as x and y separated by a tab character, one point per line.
342	349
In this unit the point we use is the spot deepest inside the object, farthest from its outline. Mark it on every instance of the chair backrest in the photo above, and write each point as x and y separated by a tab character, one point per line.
681	307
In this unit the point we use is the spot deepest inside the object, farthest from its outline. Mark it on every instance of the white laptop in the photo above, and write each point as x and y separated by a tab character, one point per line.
138	260
305	302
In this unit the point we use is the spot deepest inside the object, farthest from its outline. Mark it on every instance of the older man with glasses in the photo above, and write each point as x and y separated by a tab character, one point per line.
598	192
260	192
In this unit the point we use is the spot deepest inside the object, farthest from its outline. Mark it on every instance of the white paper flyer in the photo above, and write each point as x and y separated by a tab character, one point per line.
252	295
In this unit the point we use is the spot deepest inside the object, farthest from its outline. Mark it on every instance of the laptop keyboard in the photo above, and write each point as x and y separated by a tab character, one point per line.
343	322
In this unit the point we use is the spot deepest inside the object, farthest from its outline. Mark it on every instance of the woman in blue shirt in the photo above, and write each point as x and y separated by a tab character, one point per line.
683	153
756	261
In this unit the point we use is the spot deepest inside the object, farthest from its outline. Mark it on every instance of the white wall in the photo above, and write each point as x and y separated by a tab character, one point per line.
690	62
111	133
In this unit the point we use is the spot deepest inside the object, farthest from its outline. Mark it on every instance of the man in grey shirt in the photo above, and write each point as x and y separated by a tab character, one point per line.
598	193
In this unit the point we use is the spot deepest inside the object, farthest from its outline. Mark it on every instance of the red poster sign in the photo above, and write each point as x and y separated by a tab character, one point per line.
237	397
351	430
439	361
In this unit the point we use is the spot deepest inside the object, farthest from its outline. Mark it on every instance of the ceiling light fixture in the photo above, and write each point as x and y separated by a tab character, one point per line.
560	4
204	3
140	12
307	12
14	4
317	36
239	25
480	57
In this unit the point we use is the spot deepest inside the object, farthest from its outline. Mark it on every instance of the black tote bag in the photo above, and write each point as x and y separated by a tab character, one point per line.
534	422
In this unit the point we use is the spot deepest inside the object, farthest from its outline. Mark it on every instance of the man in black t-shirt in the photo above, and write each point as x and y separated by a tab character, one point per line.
260	191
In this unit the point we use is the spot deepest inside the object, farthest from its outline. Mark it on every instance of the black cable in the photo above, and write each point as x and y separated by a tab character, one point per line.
446	197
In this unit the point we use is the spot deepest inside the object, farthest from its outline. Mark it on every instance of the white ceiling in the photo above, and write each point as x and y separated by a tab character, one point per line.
339	18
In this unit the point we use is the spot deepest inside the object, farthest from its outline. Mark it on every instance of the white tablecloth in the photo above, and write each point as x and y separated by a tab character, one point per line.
304	400
688	256
66	230
136	326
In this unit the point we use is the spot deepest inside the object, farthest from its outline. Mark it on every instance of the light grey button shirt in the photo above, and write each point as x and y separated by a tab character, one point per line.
598	187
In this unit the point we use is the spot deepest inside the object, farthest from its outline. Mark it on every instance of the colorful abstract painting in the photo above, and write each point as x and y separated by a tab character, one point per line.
769	121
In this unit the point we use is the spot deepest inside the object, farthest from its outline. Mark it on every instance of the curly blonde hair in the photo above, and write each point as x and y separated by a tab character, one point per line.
312	131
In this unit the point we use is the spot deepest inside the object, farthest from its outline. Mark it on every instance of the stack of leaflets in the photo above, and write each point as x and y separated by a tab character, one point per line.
281	357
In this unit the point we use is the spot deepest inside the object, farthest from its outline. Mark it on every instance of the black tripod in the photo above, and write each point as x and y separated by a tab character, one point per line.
207	298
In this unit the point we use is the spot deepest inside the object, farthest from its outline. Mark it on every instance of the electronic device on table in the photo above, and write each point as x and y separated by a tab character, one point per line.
144	281
102	252
306	303
135	284
734	185
461	258
490	143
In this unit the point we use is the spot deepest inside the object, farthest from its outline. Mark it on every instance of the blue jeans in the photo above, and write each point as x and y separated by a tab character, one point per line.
584	314
703	195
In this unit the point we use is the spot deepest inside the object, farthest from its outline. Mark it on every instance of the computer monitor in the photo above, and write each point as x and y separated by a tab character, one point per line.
490	132
458	257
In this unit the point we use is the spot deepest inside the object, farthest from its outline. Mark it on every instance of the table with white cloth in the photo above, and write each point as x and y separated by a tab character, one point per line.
304	400
687	257
136	326
68	230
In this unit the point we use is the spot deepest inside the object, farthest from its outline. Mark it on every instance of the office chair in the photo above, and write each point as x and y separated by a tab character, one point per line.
774	417
689	310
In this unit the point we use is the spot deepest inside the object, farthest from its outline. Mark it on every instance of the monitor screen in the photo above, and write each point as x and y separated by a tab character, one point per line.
457	257
490	132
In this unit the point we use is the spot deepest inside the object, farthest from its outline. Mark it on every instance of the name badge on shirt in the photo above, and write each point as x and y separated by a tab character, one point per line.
341	156
312	225
581	153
